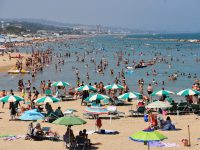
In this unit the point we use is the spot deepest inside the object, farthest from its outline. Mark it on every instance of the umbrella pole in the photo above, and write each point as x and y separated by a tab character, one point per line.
189	142
148	145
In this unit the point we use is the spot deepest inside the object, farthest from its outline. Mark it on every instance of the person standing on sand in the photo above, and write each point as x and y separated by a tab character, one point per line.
98	123
4	93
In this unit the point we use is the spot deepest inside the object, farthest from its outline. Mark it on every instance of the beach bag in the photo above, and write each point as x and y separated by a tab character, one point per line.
146	118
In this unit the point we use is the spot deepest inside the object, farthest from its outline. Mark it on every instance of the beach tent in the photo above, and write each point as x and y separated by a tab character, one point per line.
147	136
31	115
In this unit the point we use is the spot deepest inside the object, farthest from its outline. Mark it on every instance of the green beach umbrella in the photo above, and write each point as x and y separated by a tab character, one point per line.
86	88
147	136
161	93
11	98
94	97
130	95
159	104
69	121
113	87
60	83
47	99
188	92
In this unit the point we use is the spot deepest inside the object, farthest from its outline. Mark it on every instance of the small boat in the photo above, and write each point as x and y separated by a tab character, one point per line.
18	72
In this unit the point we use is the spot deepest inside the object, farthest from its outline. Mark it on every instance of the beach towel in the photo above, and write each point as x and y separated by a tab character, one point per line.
102	131
162	144
6	135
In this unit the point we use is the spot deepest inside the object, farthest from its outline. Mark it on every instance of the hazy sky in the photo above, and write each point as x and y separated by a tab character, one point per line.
168	15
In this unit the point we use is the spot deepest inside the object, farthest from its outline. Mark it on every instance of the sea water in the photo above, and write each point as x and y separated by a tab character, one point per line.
106	46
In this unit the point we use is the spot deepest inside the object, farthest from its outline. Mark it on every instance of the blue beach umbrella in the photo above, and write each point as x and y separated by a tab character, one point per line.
31	115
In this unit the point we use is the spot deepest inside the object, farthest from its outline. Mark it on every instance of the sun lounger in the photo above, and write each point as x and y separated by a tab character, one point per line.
139	111
88	115
102	131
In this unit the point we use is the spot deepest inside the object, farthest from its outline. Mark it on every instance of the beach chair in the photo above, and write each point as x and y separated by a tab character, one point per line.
48	92
80	143
195	108
182	108
139	111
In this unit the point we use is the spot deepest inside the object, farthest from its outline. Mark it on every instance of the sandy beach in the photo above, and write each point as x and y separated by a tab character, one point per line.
7	64
126	126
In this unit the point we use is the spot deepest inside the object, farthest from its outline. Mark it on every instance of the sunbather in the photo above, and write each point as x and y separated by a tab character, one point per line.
168	124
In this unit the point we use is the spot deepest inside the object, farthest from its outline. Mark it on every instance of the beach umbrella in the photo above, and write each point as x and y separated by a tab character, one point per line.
159	104
96	110
130	95
11	98
69	121
60	83
188	92
147	136
86	88
94	97
113	87
161	93
46	99
31	115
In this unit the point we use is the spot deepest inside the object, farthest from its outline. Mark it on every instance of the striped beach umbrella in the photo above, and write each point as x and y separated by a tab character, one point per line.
86	88
188	92
94	97
47	99
96	110
130	95
161	93
159	104
113	87
60	83
11	98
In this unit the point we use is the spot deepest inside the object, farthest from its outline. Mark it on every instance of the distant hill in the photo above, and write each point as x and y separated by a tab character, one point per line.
25	26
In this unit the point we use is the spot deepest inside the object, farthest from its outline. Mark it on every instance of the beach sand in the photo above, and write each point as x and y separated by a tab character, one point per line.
126	126
7	64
